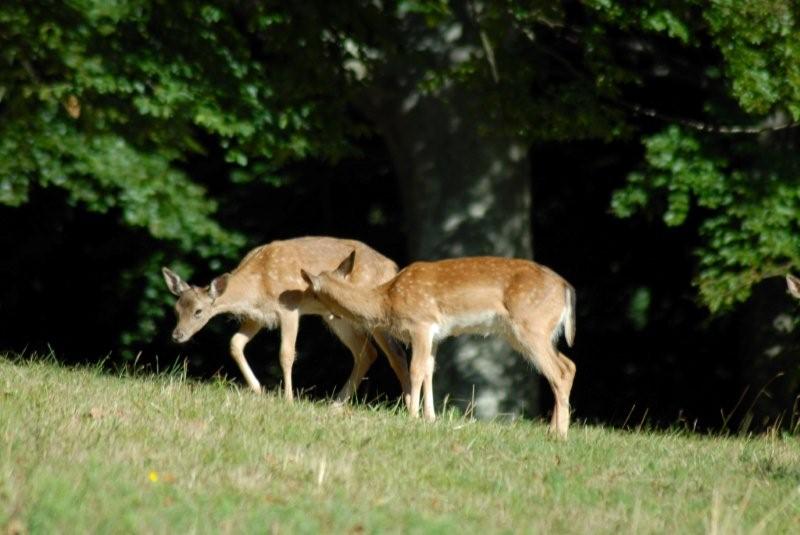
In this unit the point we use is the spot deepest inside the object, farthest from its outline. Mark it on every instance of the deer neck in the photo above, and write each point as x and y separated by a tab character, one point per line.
363	305
240	298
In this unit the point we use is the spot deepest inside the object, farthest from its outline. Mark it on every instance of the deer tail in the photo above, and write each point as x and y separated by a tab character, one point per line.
567	322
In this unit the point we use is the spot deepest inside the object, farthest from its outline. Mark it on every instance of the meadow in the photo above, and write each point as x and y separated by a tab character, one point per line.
84	450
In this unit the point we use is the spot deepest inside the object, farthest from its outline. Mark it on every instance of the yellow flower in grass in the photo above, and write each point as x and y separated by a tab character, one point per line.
153	476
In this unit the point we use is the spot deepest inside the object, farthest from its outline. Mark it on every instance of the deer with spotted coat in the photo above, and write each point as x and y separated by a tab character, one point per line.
267	290
524	302
793	283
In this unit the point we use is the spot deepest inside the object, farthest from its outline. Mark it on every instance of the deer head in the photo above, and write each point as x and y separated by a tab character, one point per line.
195	305
323	286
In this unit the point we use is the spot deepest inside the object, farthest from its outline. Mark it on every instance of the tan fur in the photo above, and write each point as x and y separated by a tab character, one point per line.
793	284
526	303
266	290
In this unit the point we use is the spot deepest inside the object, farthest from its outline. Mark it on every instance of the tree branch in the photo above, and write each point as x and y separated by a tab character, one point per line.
637	109
767	126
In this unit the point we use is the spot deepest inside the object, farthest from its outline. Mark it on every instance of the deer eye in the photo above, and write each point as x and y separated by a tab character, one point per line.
198	312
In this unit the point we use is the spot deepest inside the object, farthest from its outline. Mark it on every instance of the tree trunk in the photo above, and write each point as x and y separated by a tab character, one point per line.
465	192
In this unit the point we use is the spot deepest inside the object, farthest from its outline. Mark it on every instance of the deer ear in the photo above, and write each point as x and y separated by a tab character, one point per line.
346	267
218	286
174	282
311	280
794	285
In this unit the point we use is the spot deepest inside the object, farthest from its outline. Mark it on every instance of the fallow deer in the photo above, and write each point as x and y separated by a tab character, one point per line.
266	290
526	303
794	285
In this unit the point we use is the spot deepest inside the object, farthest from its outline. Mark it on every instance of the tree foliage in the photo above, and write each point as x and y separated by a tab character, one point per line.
741	180
109	100
114	103
750	227
708	88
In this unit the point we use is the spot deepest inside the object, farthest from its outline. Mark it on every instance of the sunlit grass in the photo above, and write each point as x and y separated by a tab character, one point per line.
82	451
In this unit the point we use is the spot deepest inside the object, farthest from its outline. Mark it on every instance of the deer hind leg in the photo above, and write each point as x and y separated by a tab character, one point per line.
397	360
421	364
247	331
364	354
567	369
536	345
290	322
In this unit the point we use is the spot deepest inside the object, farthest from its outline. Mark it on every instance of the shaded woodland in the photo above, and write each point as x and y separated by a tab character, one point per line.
647	154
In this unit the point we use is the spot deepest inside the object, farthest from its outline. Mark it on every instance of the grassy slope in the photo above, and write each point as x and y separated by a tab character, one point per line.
83	451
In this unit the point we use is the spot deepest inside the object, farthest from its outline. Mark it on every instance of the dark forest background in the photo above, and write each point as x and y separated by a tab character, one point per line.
647	154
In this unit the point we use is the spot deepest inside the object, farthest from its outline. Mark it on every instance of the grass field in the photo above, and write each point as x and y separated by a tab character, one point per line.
84	451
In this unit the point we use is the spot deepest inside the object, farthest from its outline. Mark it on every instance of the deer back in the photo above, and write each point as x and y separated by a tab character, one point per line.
434	291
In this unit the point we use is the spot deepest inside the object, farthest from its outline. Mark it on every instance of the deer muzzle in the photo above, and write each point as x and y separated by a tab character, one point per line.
178	336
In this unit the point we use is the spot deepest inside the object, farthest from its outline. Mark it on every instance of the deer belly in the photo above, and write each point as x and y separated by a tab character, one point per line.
483	323
268	320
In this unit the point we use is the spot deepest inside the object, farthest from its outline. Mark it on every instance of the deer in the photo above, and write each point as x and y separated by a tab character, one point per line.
793	283
266	290
526	303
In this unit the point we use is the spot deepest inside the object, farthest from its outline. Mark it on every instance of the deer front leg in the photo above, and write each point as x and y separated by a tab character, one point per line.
427	388
239	340
290	321
421	346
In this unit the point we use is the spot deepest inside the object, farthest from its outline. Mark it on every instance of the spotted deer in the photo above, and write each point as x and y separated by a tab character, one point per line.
266	290
794	285
524	302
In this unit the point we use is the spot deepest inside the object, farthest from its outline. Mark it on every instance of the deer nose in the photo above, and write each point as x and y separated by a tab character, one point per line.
177	335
